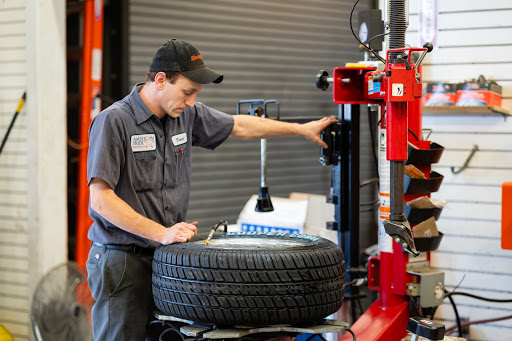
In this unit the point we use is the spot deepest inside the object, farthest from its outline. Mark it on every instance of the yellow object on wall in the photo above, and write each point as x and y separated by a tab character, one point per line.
5	335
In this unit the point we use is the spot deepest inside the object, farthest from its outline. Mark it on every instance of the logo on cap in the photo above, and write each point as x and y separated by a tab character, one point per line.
196	57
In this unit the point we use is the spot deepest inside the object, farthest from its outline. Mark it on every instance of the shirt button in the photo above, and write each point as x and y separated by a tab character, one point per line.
161	136
166	208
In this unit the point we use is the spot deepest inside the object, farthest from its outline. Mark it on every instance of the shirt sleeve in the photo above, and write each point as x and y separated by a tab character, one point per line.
106	155
211	127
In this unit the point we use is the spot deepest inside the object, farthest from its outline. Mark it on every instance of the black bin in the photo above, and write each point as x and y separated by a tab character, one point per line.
424	156
417	215
422	186
428	244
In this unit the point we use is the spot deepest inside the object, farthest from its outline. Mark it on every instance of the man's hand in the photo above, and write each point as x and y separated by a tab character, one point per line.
179	233
312	130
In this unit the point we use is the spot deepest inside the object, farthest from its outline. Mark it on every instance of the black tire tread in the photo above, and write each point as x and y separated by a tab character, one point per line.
249	287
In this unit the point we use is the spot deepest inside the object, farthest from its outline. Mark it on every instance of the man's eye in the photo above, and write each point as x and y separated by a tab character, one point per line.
187	93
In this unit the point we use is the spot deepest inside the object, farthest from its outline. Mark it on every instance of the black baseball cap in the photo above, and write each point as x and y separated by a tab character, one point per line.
180	56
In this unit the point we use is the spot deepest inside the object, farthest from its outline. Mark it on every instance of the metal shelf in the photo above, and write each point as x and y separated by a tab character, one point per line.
453	110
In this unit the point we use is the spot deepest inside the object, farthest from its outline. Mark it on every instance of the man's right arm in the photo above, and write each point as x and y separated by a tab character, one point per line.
107	204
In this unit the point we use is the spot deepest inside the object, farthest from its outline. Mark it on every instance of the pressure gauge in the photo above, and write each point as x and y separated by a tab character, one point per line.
363	32
370	26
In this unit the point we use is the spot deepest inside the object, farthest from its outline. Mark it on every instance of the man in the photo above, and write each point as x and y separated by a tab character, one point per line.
139	179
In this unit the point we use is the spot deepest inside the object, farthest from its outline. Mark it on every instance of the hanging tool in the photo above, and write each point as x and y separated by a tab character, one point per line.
263	204
18	109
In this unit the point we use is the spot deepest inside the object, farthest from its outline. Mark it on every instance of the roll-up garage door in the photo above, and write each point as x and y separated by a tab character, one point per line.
266	50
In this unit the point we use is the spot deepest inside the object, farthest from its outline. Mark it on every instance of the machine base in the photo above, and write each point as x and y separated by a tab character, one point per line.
381	323
205	331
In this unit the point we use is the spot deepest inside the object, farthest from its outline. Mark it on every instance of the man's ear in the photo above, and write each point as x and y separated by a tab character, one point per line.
160	80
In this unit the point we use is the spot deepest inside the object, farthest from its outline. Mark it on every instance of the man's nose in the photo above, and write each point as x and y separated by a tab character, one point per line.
190	102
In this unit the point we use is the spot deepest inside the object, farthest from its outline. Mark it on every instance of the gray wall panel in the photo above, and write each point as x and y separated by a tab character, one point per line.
267	50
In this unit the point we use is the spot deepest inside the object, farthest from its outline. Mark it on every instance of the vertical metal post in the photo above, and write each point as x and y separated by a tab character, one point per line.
345	184
263	163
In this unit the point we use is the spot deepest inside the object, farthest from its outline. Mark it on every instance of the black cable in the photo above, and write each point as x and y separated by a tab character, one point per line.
378	35
372	202
360	307
416	136
369	206
468	323
415	306
382	116
368	181
456	312
478	297
351	332
372	139
369	209
368	48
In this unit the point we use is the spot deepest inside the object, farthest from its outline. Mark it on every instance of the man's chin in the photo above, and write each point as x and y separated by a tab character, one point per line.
176	113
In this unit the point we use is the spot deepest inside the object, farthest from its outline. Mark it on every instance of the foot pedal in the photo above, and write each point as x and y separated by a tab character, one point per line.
428	329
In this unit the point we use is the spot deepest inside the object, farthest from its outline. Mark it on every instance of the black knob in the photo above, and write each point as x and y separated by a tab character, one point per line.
428	46
321	80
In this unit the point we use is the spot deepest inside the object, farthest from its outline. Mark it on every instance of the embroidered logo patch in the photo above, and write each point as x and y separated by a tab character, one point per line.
143	143
179	139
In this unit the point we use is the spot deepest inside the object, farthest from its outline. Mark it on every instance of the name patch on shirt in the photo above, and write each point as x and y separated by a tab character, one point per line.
143	143
179	139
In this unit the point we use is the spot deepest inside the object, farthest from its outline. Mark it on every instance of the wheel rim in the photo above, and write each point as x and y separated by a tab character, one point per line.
229	243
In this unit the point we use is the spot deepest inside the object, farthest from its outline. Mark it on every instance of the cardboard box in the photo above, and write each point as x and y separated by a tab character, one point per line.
440	94
319	213
300	213
426	229
289	216
479	93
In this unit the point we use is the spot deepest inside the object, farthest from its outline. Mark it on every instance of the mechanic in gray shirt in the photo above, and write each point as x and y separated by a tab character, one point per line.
138	170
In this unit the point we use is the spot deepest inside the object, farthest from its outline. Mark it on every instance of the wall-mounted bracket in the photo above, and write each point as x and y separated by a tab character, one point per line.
465	165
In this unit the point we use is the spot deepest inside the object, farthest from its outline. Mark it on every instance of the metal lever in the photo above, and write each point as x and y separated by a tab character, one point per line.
429	48
400	231
405	57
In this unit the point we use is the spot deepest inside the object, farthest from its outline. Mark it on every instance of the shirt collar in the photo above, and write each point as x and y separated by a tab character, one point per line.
140	109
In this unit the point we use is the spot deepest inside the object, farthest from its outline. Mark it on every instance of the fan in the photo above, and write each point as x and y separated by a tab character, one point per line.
61	305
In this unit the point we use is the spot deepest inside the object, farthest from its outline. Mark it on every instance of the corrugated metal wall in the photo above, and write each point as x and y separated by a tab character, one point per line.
266	50
14	240
475	38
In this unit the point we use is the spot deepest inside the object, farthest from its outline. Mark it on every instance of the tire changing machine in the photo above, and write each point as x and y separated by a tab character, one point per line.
397	90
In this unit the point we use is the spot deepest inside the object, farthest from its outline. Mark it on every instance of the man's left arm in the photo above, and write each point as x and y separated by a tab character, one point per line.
248	127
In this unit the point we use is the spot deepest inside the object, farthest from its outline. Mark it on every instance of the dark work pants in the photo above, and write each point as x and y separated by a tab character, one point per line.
120	283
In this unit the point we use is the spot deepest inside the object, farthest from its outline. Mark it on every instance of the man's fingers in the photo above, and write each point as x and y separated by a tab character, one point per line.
324	123
192	227
321	143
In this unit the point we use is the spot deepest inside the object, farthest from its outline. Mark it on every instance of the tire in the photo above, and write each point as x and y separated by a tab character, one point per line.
250	279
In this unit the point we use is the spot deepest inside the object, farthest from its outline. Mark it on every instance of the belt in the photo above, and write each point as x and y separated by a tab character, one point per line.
132	248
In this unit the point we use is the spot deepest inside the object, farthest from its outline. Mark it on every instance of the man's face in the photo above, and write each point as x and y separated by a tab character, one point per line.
176	97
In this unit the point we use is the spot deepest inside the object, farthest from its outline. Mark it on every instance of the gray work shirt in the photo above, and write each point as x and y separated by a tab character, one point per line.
146	167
